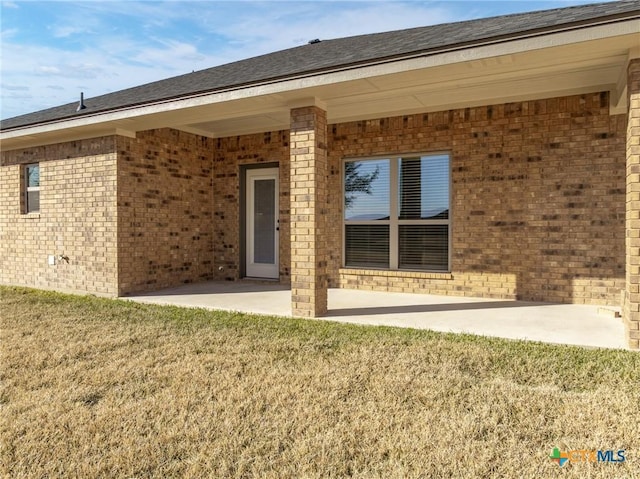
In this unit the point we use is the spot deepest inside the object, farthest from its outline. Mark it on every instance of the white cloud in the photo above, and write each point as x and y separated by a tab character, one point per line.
64	31
178	52
6	34
19	95
15	87
48	70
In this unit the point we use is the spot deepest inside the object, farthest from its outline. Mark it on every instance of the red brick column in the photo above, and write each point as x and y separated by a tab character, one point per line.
632	292
308	165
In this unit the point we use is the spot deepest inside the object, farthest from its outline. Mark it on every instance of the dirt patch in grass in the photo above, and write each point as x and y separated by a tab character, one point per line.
100	388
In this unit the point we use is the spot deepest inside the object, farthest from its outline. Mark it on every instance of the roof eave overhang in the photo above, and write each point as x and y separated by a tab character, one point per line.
283	93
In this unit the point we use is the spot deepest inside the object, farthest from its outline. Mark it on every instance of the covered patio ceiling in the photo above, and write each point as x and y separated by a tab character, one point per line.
570	62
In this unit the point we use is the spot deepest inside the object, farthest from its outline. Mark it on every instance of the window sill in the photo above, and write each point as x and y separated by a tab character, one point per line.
31	216
395	273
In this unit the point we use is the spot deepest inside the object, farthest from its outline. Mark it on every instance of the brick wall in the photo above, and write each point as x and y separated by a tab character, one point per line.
631	299
538	204
230	154
165	210
538	201
77	218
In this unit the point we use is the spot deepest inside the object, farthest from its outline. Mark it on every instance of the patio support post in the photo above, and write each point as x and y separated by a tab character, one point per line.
631	302
308	163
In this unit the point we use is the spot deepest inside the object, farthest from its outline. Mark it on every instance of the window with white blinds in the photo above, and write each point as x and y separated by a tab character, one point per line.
396	213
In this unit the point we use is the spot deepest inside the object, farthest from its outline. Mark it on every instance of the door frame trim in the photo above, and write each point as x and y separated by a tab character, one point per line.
242	271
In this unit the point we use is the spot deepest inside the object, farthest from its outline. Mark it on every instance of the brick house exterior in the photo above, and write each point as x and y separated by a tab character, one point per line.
543	167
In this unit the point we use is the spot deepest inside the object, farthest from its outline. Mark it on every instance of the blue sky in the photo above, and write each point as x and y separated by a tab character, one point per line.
53	50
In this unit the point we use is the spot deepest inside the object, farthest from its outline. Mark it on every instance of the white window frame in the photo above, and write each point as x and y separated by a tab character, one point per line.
29	189
394	222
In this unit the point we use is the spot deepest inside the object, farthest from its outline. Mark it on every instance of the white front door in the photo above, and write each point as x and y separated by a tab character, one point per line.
262	227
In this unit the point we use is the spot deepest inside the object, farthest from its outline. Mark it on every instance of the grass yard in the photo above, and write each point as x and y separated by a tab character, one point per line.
101	388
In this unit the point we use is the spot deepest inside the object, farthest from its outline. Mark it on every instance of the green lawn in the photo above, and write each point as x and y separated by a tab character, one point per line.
102	388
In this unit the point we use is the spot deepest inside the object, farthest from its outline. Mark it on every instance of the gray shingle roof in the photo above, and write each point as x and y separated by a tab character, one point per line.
339	54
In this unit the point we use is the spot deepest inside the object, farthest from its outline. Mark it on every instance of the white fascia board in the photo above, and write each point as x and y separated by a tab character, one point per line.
421	61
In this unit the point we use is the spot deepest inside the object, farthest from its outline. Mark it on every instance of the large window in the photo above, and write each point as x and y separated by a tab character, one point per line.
396	213
32	188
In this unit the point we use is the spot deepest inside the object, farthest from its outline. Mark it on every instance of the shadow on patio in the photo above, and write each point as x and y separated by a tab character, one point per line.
427	308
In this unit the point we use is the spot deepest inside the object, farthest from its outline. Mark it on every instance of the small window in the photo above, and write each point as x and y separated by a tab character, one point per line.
32	188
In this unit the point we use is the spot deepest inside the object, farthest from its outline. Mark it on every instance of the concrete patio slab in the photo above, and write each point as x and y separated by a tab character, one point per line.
552	323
